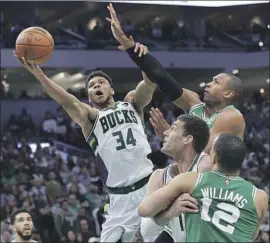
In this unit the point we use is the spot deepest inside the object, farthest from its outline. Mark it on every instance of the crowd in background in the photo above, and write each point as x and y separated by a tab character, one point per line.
65	195
170	34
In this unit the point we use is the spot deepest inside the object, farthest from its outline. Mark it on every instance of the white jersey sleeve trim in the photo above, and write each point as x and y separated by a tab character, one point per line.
93	127
198	180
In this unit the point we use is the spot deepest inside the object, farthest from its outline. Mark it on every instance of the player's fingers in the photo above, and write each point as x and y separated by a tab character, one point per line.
189	205
121	48
141	50
112	10
189	210
156	116
191	199
131	38
156	128
108	19
145	51
137	46
155	119
153	123
159	113
25	63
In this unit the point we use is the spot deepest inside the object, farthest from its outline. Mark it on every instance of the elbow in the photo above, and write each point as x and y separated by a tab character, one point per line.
143	211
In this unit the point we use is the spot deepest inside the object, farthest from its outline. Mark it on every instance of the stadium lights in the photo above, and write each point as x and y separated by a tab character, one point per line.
202	84
59	76
261	91
193	3
268	26
261	44
268	80
235	71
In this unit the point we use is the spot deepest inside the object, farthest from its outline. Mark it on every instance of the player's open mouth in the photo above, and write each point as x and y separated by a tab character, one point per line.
99	93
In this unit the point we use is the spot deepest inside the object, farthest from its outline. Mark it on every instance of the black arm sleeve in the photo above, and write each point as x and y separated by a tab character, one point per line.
157	74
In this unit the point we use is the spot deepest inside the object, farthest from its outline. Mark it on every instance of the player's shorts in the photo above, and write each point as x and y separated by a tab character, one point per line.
149	229
122	220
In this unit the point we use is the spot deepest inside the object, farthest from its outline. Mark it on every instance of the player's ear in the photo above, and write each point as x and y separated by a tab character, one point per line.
13	228
188	139
112	91
229	94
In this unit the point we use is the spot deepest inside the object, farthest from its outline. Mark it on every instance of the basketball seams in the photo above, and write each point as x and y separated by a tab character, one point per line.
35	32
41	56
33	45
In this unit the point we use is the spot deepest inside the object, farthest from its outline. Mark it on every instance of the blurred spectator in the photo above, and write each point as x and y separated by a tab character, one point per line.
53	188
49	124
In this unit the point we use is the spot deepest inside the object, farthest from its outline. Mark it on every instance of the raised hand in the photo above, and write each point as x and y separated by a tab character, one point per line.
158	122
117	30
30	66
139	48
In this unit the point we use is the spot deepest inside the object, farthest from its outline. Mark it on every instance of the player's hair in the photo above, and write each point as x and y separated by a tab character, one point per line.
235	84
198	129
13	216
100	73
230	151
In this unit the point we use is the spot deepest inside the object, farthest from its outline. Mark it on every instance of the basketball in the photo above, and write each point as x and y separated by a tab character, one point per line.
35	44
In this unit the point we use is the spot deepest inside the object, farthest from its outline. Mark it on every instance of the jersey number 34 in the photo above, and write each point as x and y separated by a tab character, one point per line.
123	142
228	218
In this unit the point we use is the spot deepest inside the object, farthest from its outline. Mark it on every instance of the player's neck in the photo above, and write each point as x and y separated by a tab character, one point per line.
109	103
19	239
185	159
225	172
211	110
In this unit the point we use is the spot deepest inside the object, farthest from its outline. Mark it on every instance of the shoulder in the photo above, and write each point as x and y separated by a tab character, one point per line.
261	195
231	114
230	117
157	175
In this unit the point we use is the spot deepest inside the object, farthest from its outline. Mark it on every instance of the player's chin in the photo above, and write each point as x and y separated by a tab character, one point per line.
99	99
164	149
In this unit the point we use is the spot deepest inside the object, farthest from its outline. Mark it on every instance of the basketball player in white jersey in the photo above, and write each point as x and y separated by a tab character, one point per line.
190	135
22	226
115	133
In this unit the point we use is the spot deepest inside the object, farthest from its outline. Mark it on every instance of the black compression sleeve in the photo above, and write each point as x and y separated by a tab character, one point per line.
157	74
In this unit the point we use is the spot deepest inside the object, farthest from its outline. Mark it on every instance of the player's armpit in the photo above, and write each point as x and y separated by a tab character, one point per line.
229	121
165	196
187	100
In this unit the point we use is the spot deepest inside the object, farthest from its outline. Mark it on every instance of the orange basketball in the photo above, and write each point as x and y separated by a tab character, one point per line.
35	44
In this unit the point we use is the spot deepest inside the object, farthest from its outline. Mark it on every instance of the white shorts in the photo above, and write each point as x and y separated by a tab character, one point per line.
149	229
122	220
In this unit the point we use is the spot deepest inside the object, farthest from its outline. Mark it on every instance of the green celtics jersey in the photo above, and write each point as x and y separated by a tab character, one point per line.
227	210
199	110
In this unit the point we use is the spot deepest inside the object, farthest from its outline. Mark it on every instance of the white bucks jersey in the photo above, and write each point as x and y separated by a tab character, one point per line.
119	139
176	227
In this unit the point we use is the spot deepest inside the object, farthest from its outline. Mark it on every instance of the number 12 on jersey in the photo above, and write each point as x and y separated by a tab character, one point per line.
122	142
228	213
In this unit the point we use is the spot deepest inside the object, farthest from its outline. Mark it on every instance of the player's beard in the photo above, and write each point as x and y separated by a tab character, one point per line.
24	237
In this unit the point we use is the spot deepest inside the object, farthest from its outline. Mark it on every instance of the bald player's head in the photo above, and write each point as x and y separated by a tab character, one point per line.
225	88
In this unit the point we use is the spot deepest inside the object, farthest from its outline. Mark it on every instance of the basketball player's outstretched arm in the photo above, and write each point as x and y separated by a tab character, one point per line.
142	95
182	98
79	112
162	198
